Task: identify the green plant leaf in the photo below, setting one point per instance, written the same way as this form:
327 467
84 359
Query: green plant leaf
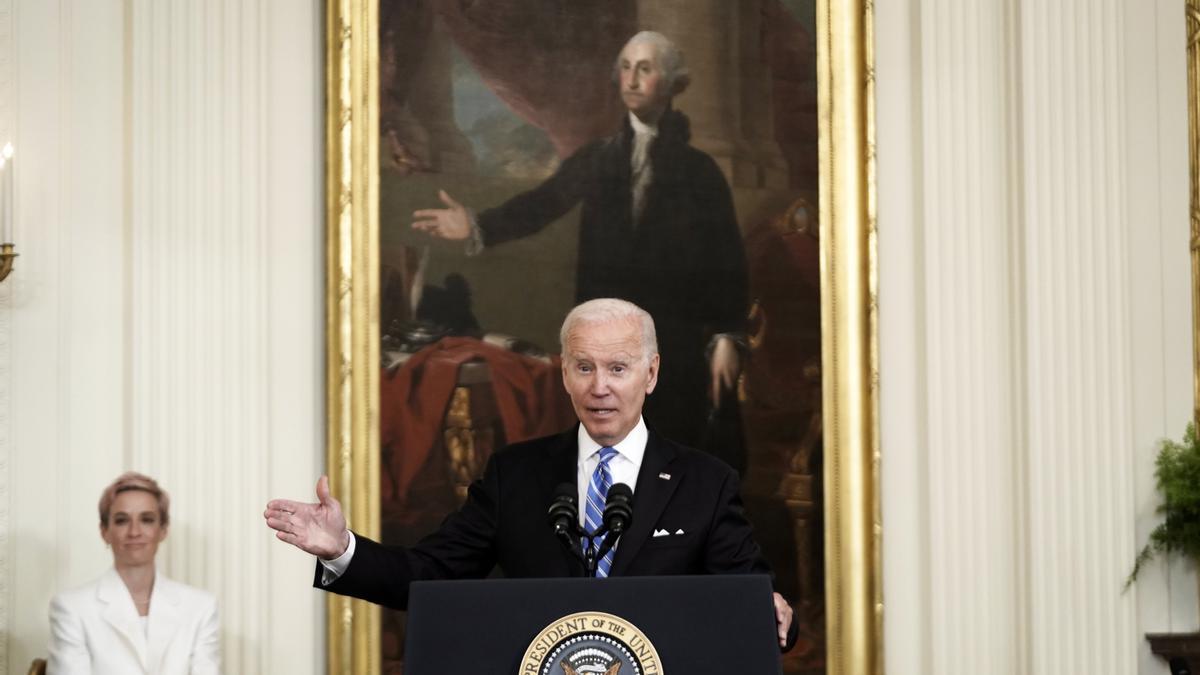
1177 476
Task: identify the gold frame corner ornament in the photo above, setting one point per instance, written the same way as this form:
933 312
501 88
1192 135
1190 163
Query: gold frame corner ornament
849 336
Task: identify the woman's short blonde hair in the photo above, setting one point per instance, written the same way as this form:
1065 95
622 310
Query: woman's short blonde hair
132 480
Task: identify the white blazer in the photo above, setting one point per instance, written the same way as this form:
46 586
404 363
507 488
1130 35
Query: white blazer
96 630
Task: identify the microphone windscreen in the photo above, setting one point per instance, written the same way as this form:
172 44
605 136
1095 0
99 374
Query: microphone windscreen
618 507
562 509
566 491
620 492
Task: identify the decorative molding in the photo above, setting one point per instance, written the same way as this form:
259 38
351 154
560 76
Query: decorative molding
352 305
849 359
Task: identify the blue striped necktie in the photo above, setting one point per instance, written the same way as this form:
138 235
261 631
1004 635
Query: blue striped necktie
597 495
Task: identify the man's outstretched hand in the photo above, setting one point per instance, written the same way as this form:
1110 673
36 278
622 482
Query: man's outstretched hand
726 365
319 529
452 222
783 619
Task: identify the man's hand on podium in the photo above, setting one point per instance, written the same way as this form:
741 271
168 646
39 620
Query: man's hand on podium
783 619
319 529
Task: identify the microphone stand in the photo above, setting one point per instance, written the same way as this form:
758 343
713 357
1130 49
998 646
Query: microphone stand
564 517
592 556
589 555
570 539
609 542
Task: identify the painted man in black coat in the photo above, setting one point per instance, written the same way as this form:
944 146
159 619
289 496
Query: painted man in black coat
687 513
657 228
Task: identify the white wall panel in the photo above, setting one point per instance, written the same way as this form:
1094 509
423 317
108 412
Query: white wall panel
1079 401
165 312
904 466
1035 329
223 248
199 385
165 315
67 331
1157 212
295 638
968 329
7 124
7 131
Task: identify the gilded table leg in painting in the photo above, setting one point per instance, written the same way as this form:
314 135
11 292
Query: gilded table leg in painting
468 431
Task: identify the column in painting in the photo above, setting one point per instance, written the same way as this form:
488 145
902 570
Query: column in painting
432 104
706 32
756 102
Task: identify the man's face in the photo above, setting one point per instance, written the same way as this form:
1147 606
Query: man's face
644 89
607 375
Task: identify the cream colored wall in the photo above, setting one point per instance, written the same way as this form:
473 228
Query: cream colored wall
1035 329
165 313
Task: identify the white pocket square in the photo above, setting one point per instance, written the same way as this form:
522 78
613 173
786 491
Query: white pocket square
661 533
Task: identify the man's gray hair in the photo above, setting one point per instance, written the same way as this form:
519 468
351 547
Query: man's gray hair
670 60
607 310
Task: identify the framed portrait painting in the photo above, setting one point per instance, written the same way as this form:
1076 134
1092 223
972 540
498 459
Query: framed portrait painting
491 164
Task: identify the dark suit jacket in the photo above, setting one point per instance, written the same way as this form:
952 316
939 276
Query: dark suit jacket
503 523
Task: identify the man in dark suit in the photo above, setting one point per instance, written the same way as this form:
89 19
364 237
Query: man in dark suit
657 227
687 517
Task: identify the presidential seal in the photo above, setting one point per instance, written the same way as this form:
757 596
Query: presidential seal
590 643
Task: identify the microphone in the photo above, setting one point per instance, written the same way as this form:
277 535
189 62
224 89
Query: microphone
563 514
618 510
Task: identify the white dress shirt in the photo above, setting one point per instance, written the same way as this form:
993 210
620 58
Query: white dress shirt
624 466
641 171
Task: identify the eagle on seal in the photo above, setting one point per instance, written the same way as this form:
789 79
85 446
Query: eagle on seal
568 670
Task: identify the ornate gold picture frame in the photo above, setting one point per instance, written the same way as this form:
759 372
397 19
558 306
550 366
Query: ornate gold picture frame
1192 19
848 321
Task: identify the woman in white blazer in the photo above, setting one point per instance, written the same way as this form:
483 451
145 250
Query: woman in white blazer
133 619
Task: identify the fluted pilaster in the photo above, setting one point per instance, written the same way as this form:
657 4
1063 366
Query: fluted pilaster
969 271
199 263
1078 388
1041 284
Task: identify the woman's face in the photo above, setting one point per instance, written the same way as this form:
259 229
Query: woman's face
134 528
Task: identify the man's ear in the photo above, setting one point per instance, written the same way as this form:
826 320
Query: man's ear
680 84
652 376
